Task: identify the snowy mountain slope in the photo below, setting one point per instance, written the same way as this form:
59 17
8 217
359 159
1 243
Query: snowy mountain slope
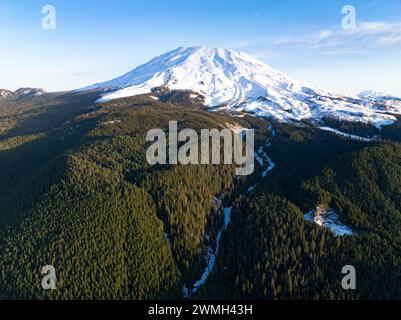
381 101
372 94
5 94
237 81
376 95
20 93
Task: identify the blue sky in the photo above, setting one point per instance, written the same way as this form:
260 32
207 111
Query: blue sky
96 40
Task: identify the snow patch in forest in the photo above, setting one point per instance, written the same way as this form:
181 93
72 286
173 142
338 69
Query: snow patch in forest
236 128
110 122
327 218
347 135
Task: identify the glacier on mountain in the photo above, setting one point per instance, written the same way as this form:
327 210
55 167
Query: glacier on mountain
238 82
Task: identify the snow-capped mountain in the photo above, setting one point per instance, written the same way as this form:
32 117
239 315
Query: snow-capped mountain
239 82
23 92
372 94
5 94
20 93
382 101
376 95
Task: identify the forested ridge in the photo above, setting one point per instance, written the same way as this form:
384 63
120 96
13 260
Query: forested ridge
113 226
77 193
272 252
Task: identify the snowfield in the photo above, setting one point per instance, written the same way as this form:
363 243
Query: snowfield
327 218
347 135
238 82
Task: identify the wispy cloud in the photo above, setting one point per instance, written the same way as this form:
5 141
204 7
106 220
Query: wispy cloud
365 36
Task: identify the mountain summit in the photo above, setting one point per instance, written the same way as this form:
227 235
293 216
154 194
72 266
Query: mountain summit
221 75
240 82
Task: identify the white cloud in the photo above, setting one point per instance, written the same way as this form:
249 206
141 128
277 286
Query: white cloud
325 34
366 35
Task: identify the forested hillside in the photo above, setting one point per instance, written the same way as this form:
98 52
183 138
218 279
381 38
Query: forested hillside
82 197
76 192
272 252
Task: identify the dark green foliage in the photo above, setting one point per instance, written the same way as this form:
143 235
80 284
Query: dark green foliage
76 192
357 128
271 252
82 197
392 132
